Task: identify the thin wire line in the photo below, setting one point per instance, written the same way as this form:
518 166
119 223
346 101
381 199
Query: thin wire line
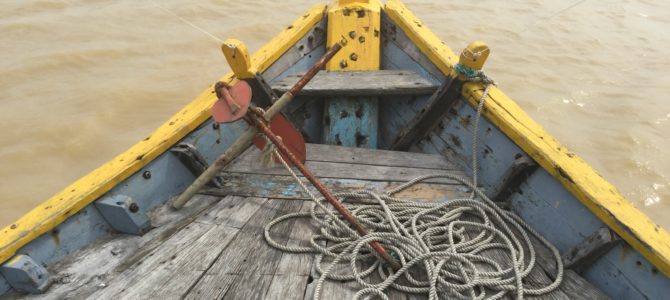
188 22
555 14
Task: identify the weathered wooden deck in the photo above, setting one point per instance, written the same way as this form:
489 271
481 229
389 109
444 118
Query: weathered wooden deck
214 247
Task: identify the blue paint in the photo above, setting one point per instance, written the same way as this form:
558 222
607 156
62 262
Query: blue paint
397 111
117 210
305 112
25 275
290 190
394 58
302 65
351 122
79 230
212 142
4 285
545 204
643 280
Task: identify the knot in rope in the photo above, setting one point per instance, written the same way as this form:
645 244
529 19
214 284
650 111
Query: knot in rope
473 75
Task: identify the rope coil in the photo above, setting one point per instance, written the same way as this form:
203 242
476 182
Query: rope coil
444 248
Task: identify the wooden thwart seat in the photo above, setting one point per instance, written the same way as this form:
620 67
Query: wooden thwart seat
360 83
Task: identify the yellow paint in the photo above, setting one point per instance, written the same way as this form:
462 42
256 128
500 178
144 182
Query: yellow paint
474 55
355 25
237 55
14 260
648 238
82 192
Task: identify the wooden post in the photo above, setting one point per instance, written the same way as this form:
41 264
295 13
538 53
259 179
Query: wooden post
237 55
353 121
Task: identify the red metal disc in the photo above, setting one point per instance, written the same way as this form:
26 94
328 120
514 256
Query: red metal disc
233 102
291 137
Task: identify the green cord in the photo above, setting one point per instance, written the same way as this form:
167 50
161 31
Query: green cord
466 71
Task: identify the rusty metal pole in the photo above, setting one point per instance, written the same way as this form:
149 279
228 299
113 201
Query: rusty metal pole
245 139
286 152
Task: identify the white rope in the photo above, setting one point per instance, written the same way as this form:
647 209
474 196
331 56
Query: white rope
444 248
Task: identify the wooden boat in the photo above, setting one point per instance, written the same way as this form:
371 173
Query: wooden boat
390 106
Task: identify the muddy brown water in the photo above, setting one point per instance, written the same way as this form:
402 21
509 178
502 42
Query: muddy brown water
82 81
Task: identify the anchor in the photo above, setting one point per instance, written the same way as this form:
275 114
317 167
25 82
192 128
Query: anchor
234 103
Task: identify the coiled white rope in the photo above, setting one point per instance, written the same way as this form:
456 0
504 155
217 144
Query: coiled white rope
442 247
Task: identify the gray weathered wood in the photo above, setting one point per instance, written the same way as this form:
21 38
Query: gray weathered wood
352 171
248 257
249 159
190 251
364 156
211 286
360 83
249 163
285 187
302 230
287 287
82 273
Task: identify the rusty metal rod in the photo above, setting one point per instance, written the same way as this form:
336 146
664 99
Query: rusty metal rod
245 139
286 152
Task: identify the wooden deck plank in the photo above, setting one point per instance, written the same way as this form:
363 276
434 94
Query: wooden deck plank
179 262
261 264
365 156
249 286
293 263
247 256
360 156
211 286
360 83
285 187
350 171
289 287
83 272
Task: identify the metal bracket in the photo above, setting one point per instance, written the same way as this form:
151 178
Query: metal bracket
194 161
522 167
580 257
123 214
25 275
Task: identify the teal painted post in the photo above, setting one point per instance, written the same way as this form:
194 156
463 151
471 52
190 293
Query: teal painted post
351 122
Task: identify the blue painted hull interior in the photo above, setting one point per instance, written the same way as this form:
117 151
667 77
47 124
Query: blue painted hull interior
540 200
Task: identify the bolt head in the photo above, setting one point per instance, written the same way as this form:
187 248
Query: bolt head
343 64
133 208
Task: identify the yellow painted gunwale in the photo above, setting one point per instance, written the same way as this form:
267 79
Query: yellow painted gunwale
85 190
601 197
